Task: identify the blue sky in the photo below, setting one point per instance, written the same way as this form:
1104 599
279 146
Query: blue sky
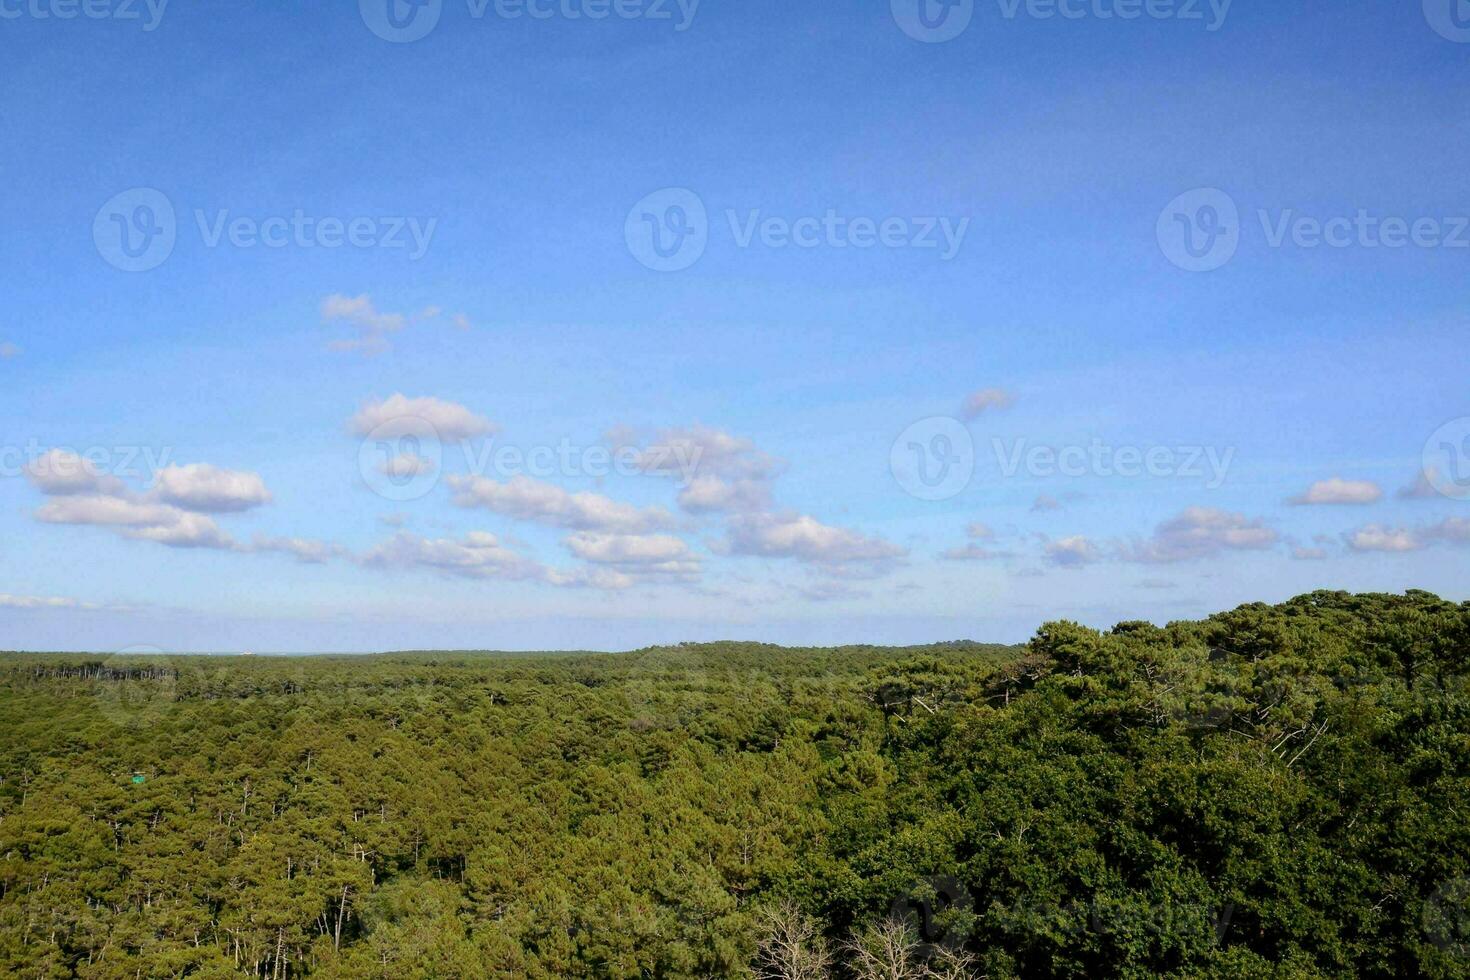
227 395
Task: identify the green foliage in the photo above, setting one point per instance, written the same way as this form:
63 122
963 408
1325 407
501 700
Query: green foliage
1277 791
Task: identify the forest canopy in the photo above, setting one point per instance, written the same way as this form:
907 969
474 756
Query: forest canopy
1275 791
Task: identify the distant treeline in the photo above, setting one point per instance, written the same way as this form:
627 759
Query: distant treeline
1276 791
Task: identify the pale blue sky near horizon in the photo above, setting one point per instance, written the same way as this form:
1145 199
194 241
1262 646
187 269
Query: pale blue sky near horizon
523 148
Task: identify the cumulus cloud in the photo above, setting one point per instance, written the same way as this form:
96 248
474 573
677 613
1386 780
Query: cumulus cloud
717 470
1339 491
399 415
480 556
543 503
637 556
979 402
1202 532
59 472
713 494
208 489
807 539
1072 552
1376 537
173 512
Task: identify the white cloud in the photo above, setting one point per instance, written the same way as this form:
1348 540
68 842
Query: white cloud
1376 537
1072 552
711 494
1201 532
305 550
404 466
806 539
699 452
59 472
1339 491
628 548
400 415
985 399
210 490
532 500
480 556
372 327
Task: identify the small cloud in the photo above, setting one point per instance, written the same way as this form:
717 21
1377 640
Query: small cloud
1339 491
973 552
1044 503
208 489
43 602
9 350
1303 553
807 539
1422 488
1376 537
1073 552
984 400
543 503
1202 532
978 531
401 415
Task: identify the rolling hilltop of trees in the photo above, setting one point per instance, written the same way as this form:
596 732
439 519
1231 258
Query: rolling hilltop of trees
1276 791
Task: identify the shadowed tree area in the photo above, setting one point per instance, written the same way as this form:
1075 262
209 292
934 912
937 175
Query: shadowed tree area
1276 791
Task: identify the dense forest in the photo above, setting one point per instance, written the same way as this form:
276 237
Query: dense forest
1276 791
